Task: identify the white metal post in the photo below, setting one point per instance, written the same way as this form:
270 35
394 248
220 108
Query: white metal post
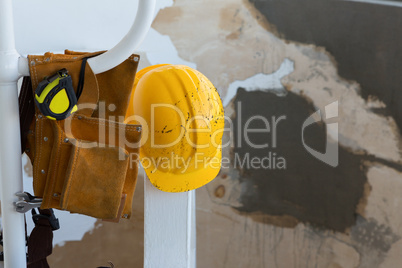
10 144
169 228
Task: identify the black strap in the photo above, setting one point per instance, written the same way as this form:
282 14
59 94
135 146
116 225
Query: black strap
27 109
82 77
111 266
40 242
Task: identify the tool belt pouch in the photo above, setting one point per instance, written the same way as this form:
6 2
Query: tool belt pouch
87 163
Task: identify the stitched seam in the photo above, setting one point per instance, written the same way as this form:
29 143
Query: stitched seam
53 179
122 128
115 125
66 59
39 143
35 75
38 150
104 121
67 193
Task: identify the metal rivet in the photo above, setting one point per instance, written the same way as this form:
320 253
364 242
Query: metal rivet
112 107
138 129
40 116
79 117
27 150
55 195
125 216
135 58
66 140
32 62
43 171
45 139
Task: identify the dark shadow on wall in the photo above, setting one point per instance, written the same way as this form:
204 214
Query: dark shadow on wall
365 40
306 189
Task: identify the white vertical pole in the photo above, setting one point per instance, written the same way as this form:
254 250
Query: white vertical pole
169 224
10 144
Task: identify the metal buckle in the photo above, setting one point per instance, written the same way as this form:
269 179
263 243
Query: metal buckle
29 202
54 222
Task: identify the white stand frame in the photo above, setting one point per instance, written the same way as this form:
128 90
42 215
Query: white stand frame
169 218
169 228
10 143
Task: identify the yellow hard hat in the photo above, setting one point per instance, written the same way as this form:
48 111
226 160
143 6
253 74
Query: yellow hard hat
183 119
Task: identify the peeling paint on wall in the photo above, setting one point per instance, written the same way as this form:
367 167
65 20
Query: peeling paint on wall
365 50
262 82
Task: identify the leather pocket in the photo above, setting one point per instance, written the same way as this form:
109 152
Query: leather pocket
94 180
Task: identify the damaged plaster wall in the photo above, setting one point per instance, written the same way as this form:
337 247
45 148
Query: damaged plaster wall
309 214
304 213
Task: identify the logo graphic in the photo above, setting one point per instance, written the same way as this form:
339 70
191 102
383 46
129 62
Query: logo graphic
331 155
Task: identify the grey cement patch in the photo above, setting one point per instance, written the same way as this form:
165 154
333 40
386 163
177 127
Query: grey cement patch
372 235
364 39
307 189
372 241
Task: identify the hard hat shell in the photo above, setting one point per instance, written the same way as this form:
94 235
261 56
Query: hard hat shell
183 120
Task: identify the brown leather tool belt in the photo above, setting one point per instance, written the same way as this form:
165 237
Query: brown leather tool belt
87 163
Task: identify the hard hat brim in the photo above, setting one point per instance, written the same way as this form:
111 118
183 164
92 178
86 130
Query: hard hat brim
184 181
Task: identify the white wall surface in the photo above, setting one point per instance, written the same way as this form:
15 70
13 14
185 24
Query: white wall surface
46 25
